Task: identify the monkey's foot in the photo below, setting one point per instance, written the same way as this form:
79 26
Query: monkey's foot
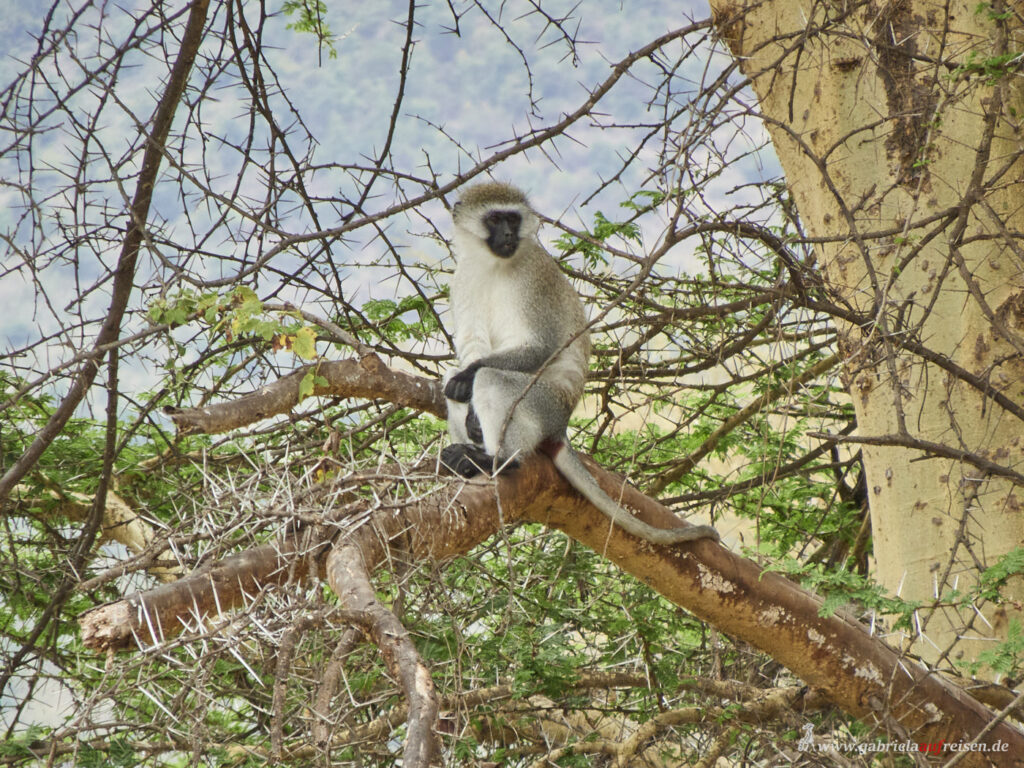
466 459
470 460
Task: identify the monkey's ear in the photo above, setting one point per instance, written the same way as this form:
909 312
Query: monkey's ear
455 208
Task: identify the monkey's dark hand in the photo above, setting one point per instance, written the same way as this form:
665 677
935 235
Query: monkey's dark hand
460 386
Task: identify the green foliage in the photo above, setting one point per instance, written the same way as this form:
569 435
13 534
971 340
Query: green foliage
545 632
574 761
237 314
303 343
77 463
118 752
391 319
309 382
993 579
1005 658
647 200
991 68
309 19
23 745
989 10
843 589
604 229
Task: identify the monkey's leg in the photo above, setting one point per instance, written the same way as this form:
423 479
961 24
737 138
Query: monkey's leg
458 415
473 429
536 412
466 455
469 459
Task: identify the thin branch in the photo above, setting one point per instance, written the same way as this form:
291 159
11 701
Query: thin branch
680 467
929 448
124 274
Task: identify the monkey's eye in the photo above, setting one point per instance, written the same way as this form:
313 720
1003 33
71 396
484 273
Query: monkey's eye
511 219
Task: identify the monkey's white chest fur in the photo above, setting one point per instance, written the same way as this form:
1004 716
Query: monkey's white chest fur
487 301
525 301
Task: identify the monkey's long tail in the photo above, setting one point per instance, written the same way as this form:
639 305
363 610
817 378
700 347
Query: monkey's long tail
572 469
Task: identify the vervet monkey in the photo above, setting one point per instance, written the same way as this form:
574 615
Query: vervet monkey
521 337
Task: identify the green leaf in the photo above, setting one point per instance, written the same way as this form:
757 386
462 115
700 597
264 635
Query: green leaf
307 385
304 343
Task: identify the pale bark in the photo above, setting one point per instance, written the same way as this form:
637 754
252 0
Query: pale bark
120 523
151 617
909 172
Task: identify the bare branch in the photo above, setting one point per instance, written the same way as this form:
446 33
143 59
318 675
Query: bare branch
124 274
348 577
367 377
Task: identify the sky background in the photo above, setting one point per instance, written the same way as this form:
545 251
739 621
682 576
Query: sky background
465 94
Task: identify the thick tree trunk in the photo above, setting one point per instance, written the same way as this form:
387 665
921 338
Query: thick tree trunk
905 160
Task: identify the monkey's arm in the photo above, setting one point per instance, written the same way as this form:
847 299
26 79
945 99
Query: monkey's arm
522 359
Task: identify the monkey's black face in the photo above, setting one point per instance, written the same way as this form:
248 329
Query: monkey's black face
503 232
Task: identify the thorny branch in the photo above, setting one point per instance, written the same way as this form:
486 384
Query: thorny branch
728 591
691 351
135 235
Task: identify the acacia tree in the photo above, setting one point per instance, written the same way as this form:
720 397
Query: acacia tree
899 128
224 253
